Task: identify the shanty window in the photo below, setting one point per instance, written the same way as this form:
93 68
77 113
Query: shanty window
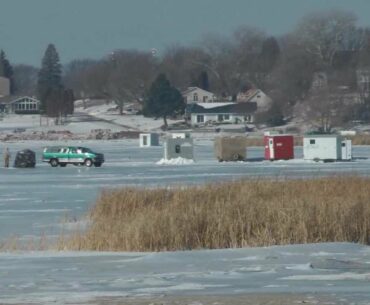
312 141
177 149
195 97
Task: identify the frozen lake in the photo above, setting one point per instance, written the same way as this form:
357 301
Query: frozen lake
339 270
41 201
36 202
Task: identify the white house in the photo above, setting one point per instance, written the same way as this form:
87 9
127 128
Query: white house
201 113
257 96
363 81
19 105
4 86
197 95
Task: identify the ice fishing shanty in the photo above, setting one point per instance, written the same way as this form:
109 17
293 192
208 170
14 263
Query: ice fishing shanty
230 148
149 139
326 148
178 148
278 147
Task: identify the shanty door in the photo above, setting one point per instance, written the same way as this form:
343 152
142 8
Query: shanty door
346 150
271 149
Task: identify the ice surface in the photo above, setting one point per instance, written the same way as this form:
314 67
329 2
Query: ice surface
62 277
43 201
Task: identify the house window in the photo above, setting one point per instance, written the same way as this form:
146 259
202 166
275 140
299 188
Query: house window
205 99
195 97
227 117
220 118
312 141
247 118
177 149
200 118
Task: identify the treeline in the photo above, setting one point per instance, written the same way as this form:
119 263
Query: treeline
329 43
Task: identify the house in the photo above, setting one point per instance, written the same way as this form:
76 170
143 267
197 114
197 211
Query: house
363 81
198 95
19 105
201 113
257 96
4 86
319 81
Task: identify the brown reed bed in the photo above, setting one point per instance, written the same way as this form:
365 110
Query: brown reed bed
228 215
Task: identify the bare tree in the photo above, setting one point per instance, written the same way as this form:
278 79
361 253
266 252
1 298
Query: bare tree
130 75
323 34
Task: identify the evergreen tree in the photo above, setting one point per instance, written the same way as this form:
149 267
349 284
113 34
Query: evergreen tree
203 81
269 55
163 100
49 84
6 70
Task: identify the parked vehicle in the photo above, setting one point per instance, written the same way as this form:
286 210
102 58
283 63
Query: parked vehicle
63 155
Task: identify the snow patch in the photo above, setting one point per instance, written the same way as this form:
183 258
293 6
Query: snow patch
175 161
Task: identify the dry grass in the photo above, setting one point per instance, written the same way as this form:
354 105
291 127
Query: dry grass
228 215
363 139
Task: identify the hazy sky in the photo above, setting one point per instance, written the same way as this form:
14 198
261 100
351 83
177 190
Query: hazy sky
92 28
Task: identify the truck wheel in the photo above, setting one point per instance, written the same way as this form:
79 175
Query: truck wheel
236 157
54 162
88 162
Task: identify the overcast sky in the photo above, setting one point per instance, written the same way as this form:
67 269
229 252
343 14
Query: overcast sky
92 28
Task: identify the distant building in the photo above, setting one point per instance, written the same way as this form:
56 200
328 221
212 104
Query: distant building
319 81
203 113
262 100
198 95
4 86
19 105
363 81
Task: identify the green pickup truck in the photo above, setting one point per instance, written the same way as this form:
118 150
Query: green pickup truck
76 155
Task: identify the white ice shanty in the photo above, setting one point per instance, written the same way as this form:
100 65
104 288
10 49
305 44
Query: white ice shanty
326 148
149 139
178 148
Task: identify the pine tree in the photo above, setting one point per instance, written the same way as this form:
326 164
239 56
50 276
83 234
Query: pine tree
6 70
49 84
163 100
203 81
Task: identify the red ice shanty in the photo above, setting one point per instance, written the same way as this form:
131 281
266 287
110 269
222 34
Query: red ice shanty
278 147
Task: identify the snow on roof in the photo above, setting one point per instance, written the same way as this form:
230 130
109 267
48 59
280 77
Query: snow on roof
214 105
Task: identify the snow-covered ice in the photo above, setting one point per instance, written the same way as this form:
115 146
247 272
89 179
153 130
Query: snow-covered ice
61 277
45 200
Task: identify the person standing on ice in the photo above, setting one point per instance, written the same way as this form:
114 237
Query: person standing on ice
6 155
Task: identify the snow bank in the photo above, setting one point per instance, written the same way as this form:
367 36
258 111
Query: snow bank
176 161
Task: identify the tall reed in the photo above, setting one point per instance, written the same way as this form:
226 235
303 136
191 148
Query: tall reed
228 215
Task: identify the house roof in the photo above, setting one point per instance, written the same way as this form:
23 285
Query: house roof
10 99
249 94
191 89
234 108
